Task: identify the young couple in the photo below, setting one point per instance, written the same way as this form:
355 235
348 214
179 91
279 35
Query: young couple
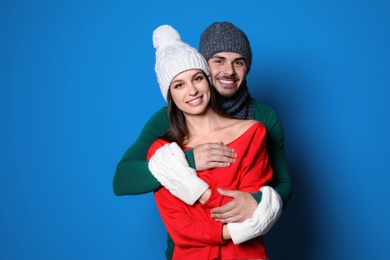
220 195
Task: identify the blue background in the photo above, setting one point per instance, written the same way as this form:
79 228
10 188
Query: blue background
77 85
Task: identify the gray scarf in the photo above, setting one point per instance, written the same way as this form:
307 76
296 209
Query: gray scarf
239 105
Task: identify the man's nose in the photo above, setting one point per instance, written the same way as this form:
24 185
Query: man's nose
229 69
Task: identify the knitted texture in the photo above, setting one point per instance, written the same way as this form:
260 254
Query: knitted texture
239 105
265 216
225 37
174 57
170 167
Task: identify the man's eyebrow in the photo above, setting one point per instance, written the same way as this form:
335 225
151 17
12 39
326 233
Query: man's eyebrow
224 58
218 57
239 58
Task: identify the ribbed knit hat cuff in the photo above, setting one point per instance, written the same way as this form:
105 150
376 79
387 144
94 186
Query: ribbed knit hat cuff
181 61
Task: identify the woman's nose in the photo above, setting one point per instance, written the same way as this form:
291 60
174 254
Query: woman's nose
193 90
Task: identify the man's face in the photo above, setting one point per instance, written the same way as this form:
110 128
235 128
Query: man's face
228 71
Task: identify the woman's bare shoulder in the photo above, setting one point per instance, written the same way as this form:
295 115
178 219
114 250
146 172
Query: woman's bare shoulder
245 124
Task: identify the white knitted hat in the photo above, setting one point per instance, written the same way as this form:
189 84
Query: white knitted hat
174 57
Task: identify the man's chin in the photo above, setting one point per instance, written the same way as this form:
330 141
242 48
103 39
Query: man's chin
227 94
226 91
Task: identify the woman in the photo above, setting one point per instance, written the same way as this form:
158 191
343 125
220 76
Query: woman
195 118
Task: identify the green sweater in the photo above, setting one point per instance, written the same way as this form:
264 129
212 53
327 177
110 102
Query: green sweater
133 177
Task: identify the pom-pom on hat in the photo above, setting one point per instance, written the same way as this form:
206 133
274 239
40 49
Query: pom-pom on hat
225 37
174 57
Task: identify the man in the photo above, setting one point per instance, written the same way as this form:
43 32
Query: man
229 55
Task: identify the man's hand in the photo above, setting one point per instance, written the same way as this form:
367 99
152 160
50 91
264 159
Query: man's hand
265 216
238 210
213 155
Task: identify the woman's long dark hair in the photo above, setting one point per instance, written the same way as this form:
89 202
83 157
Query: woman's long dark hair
178 131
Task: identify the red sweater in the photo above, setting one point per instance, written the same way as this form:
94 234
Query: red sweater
195 234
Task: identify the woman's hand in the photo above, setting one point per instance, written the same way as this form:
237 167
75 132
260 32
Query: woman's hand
170 167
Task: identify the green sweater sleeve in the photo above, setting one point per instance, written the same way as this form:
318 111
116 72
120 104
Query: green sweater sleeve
132 175
281 181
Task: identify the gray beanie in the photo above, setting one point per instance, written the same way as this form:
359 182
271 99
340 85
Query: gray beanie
225 37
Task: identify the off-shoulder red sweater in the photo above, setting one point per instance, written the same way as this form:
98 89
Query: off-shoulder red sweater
195 234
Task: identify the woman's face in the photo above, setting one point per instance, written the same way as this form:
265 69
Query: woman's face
190 91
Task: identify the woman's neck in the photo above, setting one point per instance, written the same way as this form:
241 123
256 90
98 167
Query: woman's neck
200 124
208 127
